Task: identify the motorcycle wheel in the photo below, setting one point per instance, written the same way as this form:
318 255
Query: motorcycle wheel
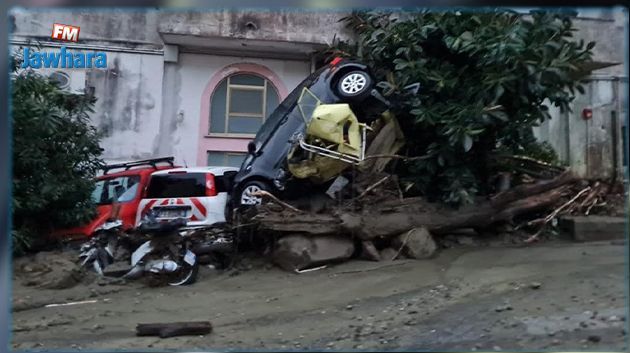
187 275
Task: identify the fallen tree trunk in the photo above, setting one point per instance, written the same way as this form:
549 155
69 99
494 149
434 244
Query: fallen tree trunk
386 220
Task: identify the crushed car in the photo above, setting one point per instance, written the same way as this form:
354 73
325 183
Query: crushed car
324 126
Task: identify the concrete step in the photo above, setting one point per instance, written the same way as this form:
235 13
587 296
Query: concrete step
594 228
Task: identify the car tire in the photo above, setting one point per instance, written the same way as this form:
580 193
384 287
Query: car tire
354 85
244 199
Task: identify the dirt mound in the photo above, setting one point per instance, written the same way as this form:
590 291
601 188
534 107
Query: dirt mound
50 270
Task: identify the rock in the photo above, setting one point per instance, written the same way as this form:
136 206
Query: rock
594 338
387 254
349 307
417 243
501 308
297 252
467 241
535 285
369 252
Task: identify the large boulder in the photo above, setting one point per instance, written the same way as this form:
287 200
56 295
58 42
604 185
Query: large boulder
417 243
388 254
298 252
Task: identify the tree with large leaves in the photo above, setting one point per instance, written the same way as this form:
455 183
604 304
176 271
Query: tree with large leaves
56 155
486 79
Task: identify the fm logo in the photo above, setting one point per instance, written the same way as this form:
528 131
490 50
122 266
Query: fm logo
65 33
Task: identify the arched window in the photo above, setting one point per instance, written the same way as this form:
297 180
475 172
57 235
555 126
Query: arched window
240 104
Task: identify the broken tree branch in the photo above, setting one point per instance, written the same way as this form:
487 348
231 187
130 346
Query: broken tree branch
525 190
554 214
396 156
402 245
373 186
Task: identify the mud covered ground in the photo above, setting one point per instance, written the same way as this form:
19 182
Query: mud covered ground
551 296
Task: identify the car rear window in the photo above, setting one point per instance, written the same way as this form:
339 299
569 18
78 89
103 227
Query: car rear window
177 185
121 189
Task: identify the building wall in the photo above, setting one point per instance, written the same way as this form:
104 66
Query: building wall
184 85
129 105
594 148
300 26
130 29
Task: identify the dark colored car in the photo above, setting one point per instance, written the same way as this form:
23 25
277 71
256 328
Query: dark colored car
264 168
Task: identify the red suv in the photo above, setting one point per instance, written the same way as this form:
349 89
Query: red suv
118 194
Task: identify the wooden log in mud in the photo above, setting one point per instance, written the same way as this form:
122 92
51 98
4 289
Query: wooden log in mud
165 330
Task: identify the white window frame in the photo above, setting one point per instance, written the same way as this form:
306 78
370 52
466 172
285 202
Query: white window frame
228 100
226 154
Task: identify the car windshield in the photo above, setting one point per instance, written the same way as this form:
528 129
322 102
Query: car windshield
307 104
272 122
130 194
117 188
177 185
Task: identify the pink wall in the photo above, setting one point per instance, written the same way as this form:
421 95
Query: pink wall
207 143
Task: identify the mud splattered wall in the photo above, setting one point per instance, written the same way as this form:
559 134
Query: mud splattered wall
129 91
126 28
129 104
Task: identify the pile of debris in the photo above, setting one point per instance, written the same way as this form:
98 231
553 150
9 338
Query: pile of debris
373 221
48 270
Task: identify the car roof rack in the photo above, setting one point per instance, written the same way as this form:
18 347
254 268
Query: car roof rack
151 162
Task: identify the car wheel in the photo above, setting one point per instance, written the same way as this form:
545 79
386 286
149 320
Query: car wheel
245 196
354 85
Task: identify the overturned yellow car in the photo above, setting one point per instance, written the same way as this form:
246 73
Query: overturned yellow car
335 139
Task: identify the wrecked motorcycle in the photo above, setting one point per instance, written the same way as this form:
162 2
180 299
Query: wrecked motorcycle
166 256
98 252
171 254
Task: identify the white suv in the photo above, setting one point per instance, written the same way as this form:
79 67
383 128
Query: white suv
198 194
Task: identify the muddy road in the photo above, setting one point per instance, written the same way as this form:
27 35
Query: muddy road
552 296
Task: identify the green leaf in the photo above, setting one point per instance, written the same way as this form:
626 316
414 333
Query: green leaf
499 115
440 161
498 92
467 142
